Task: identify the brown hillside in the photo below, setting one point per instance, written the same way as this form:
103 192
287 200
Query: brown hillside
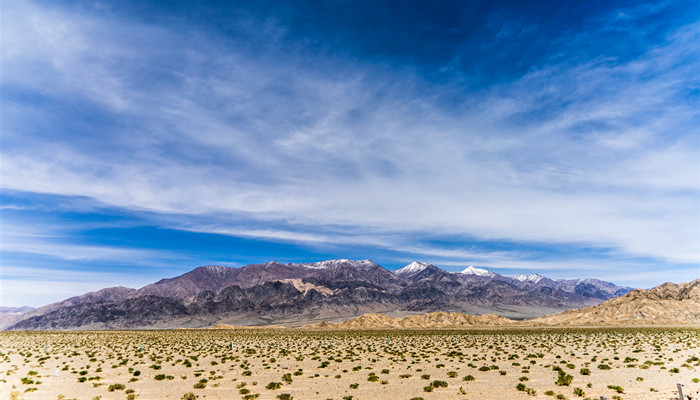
666 304
432 320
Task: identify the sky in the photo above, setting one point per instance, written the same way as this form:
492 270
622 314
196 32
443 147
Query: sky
141 140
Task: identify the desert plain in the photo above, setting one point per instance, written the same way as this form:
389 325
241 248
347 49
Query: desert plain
515 363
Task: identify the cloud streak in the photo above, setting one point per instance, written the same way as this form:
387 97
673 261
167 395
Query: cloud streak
593 151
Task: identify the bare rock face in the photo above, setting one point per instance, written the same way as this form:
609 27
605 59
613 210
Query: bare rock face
264 294
666 304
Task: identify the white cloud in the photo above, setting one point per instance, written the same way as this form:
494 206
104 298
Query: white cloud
612 163
56 243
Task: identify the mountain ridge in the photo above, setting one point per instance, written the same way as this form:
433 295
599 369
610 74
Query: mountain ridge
331 289
666 303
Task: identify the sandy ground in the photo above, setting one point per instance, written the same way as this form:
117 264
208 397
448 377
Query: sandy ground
240 364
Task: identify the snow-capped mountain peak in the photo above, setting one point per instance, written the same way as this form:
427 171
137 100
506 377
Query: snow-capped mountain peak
471 270
534 278
412 268
331 263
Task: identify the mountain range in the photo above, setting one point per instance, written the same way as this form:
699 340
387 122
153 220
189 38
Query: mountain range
667 304
298 294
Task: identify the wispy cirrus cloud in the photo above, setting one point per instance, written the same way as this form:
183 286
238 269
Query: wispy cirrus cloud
585 147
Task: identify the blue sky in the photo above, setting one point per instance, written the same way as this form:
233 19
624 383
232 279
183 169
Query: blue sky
142 140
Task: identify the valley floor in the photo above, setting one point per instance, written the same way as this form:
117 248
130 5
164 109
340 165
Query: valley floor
632 363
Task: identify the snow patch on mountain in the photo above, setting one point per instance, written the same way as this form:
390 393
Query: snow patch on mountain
534 278
332 263
471 270
412 268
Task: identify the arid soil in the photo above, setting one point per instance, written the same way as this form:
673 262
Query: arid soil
513 363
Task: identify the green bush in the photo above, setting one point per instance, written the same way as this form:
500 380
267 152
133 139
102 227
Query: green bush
564 379
616 388
116 386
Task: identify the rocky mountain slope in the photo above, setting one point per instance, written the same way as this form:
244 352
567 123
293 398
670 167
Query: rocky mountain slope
11 315
666 304
297 294
669 304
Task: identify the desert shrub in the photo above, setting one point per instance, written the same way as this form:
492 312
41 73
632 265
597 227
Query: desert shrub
616 388
564 379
